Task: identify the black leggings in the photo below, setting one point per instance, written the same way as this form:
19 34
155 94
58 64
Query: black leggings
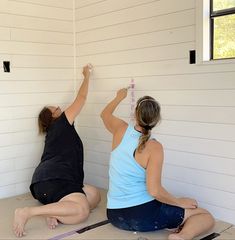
51 191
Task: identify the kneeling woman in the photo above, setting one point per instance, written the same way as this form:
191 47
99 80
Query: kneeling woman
58 180
136 199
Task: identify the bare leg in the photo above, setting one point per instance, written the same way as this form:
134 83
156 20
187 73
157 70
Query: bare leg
93 198
93 195
196 222
72 209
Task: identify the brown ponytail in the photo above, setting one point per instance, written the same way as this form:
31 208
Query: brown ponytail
44 120
147 116
143 139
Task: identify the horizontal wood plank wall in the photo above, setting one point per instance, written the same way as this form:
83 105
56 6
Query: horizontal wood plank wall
150 42
37 37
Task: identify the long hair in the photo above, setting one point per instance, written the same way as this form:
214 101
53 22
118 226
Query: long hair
45 119
147 116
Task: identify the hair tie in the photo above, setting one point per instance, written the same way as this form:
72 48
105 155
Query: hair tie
145 100
148 127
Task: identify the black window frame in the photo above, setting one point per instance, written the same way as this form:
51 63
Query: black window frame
213 15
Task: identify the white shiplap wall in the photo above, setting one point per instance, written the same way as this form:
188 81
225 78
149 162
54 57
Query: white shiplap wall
37 37
149 40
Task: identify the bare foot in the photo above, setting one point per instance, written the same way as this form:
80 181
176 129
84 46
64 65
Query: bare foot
20 219
52 222
177 236
173 230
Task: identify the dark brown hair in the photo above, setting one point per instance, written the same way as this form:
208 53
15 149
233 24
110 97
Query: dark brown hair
147 116
45 119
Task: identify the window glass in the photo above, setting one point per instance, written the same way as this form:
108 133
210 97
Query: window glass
223 4
224 37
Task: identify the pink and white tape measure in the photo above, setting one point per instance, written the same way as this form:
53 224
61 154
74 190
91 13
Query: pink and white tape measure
132 99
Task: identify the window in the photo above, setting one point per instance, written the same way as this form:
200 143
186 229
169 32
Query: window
222 29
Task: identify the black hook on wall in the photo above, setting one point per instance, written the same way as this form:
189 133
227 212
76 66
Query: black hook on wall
6 66
192 57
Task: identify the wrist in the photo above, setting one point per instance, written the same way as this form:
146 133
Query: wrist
118 99
177 202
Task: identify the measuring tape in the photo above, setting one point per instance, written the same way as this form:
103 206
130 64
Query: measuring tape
132 100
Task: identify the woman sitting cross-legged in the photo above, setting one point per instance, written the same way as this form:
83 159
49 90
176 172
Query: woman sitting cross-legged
137 201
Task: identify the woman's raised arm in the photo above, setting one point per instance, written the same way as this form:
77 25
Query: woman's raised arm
75 108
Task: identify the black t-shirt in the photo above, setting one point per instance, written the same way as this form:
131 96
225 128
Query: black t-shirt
62 157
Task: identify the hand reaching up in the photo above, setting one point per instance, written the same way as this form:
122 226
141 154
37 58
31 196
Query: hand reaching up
86 71
122 93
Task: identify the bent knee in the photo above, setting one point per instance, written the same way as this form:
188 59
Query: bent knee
97 195
191 212
93 195
81 213
94 199
84 212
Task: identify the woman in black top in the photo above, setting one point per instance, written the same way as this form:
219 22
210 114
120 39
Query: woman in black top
58 180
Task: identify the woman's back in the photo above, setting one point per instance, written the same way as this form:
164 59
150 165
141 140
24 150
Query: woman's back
127 185
62 157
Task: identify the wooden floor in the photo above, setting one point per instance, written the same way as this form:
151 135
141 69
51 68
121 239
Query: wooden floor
36 228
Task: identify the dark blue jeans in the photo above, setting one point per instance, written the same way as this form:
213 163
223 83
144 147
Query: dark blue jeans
150 216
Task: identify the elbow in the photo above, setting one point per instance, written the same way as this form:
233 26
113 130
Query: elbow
83 97
103 114
154 193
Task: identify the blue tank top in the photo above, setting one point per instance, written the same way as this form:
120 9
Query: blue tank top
127 178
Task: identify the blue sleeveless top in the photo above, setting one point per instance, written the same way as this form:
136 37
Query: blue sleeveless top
127 178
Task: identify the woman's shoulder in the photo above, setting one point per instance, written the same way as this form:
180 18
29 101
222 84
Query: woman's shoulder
59 123
153 144
123 127
122 130
62 119
155 150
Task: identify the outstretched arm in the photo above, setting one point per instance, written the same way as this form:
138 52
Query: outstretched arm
153 179
111 122
75 108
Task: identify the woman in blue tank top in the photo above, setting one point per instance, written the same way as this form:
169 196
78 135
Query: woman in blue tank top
136 199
